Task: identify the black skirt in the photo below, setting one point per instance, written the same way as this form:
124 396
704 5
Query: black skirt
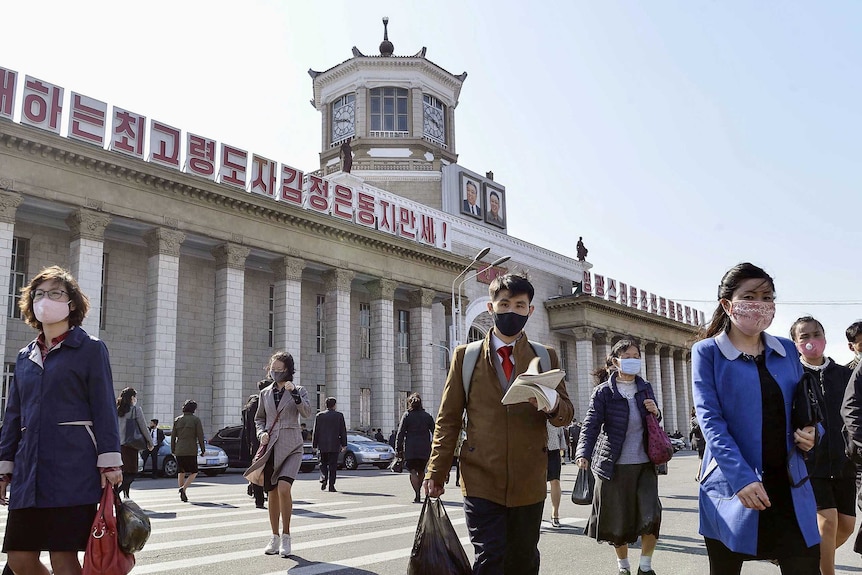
49 528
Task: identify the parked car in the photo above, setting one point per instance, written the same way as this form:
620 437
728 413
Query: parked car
213 462
362 450
677 444
228 438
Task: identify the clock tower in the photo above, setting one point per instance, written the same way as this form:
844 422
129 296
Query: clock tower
397 116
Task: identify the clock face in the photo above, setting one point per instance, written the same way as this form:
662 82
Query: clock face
433 125
342 122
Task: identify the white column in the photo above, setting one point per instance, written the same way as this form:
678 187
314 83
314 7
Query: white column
85 257
681 389
383 401
228 334
160 342
653 370
668 380
338 348
584 379
288 311
422 354
9 202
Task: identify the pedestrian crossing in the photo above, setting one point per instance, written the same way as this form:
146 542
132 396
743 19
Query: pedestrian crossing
366 527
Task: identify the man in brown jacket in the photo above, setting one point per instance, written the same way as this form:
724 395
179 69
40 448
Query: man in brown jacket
504 457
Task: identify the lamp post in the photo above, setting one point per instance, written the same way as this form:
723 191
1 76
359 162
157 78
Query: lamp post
498 261
444 348
454 336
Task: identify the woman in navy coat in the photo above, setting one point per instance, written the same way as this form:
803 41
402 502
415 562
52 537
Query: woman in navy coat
60 442
755 500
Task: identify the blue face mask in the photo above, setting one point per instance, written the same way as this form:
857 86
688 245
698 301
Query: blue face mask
630 366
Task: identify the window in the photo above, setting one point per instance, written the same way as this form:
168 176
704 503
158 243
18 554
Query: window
364 407
403 336
8 374
402 401
18 277
564 357
474 334
433 119
271 320
321 324
343 118
365 331
444 354
321 397
103 302
388 112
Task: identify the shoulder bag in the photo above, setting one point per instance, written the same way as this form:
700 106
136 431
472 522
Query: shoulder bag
133 525
807 402
134 437
659 448
103 555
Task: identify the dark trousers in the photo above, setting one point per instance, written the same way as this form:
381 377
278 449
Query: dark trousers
723 561
153 455
328 467
505 539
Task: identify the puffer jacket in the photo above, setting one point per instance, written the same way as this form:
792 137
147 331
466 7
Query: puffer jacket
828 459
607 421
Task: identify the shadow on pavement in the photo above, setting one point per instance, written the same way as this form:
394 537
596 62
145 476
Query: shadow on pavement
315 567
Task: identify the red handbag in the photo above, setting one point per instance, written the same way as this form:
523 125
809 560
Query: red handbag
659 448
103 555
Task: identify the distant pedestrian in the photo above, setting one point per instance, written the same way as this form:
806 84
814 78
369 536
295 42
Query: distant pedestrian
392 439
277 424
695 436
379 436
556 444
330 437
127 410
413 442
854 342
249 442
186 436
157 436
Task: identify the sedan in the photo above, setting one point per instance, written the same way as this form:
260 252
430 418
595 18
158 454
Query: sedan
362 450
677 444
230 439
213 462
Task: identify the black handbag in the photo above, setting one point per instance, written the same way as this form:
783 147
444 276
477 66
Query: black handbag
133 525
582 492
807 407
135 439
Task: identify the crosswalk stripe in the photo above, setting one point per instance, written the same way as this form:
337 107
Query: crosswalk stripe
221 512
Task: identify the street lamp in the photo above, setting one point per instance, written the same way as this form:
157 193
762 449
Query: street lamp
454 336
444 348
497 262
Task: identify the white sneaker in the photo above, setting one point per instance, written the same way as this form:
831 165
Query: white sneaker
272 548
285 545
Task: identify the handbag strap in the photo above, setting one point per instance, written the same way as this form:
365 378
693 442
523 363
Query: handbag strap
275 421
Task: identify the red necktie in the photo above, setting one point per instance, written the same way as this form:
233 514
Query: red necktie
505 355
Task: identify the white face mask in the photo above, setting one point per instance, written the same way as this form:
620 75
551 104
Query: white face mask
630 365
48 311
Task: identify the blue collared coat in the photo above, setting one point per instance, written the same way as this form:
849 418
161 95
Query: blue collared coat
726 389
60 424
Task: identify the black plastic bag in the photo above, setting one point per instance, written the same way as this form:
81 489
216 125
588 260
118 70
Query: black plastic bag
397 465
582 492
133 525
436 548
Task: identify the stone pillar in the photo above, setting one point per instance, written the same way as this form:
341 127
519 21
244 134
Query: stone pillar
652 364
583 380
338 349
668 380
360 112
681 388
418 108
288 311
228 334
160 342
9 202
85 259
602 346
422 354
384 409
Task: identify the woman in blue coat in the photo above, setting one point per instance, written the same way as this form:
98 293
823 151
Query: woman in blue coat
755 500
60 442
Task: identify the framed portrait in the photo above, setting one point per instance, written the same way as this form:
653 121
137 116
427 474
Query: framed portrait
471 198
495 205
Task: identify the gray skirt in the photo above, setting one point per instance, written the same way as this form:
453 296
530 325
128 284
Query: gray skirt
625 507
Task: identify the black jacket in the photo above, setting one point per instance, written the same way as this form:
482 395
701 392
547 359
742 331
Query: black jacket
828 458
248 437
414 434
330 431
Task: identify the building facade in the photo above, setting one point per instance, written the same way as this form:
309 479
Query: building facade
200 259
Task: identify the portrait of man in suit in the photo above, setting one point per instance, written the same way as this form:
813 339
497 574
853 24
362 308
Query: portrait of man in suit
470 198
495 212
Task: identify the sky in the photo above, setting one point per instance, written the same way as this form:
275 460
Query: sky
679 138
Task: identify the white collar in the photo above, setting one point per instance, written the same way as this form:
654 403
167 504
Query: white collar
729 351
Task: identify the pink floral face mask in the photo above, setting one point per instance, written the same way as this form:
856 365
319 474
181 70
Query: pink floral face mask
751 317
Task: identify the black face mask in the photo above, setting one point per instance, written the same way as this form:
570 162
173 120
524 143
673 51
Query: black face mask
510 323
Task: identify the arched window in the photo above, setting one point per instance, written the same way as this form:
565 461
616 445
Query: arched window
343 118
388 112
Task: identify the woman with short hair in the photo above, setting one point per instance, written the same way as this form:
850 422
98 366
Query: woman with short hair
187 436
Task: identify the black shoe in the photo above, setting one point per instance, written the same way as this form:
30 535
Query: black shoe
332 489
323 486
250 491
650 572
183 497
260 506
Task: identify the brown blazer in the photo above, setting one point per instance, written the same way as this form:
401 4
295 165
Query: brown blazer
504 457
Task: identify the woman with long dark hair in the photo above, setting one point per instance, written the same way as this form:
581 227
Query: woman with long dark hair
128 411
60 443
755 500
413 441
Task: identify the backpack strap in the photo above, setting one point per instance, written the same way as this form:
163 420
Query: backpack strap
471 357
